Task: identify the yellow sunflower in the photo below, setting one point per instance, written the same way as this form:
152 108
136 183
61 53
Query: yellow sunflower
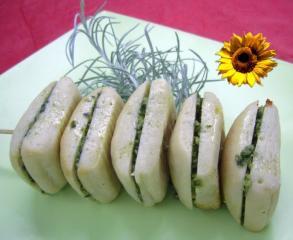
246 59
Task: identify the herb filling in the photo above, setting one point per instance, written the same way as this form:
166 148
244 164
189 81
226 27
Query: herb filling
73 124
195 182
31 124
139 126
81 144
246 159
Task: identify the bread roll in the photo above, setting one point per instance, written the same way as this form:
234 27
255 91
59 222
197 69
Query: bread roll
85 145
254 208
143 171
34 149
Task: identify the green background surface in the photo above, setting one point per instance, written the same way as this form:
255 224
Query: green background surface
27 214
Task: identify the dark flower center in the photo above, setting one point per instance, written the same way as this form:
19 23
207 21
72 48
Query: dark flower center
244 60
243 57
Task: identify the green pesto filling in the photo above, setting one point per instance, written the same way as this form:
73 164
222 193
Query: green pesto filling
195 182
78 152
73 124
246 159
31 124
139 126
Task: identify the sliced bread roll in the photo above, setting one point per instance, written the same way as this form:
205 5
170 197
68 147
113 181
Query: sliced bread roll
250 169
85 145
34 150
139 143
194 152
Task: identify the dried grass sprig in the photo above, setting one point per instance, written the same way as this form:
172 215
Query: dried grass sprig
124 62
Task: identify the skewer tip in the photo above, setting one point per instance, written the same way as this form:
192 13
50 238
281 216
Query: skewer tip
6 131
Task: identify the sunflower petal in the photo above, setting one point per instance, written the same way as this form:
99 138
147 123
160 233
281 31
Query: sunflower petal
233 80
267 62
229 73
260 46
224 53
266 45
235 43
224 60
238 37
227 46
258 37
257 78
224 67
260 71
256 41
241 79
264 68
247 38
238 78
267 54
250 79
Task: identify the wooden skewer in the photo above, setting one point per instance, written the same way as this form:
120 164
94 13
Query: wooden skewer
6 131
